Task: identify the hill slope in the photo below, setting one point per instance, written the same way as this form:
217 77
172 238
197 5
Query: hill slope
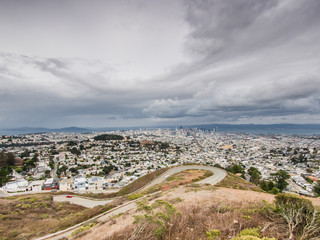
189 212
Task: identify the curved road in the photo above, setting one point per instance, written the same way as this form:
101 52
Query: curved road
89 203
218 175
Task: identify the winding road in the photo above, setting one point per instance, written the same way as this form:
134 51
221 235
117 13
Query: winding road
218 175
89 203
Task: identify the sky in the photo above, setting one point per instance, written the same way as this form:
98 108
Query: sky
111 63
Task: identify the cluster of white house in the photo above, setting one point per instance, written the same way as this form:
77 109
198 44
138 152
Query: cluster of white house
79 183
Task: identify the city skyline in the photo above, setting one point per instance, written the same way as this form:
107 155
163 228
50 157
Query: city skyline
158 63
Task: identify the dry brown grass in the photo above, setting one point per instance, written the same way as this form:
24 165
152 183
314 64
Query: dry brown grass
235 182
24 217
193 221
183 178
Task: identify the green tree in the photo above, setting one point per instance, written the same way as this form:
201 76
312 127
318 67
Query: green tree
235 169
255 175
280 178
316 188
300 215
5 174
10 159
47 173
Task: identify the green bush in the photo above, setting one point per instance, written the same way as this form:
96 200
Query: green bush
299 214
250 234
157 221
213 234
134 196
82 229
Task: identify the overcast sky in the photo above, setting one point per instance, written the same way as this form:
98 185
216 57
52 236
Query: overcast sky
104 63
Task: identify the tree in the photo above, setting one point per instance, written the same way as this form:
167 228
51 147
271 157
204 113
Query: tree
217 165
10 159
255 175
301 217
47 173
6 159
62 169
235 169
5 174
316 188
280 178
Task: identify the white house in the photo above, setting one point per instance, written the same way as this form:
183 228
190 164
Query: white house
36 186
80 183
19 185
66 184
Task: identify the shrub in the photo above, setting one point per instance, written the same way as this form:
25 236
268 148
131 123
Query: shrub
134 196
82 229
274 190
250 234
301 217
213 234
44 216
158 221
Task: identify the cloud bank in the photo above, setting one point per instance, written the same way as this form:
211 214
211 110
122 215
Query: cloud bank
145 63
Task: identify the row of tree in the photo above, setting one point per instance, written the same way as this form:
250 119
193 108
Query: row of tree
7 162
277 182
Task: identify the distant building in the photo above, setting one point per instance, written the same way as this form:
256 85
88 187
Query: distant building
36 186
20 185
80 183
66 184
95 183
50 184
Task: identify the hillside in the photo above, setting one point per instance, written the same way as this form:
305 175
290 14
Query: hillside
190 212
179 208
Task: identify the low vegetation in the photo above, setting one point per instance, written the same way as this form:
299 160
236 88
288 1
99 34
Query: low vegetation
184 177
214 220
108 137
25 217
140 182
235 182
82 229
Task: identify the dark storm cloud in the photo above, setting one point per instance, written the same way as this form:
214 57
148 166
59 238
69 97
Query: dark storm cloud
123 63
255 58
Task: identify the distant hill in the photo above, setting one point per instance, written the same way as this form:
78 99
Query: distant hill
290 129
27 130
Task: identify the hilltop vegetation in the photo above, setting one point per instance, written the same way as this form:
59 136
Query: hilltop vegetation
108 137
25 217
8 161
207 215
235 182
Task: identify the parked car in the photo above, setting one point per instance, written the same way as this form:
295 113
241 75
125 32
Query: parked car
69 196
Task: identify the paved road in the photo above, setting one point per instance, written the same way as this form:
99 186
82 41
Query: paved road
81 201
102 217
218 175
54 175
3 194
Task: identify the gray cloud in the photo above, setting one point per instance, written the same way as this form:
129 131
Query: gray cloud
243 61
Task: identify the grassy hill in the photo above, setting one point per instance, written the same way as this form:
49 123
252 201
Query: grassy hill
234 209
235 182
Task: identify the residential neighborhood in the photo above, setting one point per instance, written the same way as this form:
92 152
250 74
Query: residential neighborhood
101 161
